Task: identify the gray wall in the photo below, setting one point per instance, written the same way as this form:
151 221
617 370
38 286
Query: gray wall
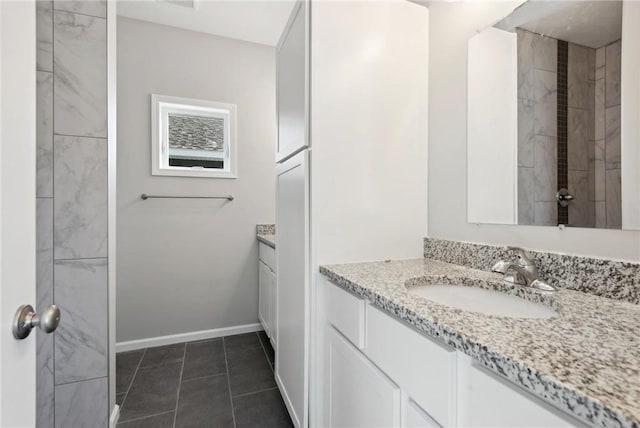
190 265
451 25
72 386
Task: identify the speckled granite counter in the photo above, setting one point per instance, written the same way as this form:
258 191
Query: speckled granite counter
586 361
270 240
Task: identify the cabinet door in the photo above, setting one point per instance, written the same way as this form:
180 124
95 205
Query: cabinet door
271 317
292 83
264 297
359 395
292 302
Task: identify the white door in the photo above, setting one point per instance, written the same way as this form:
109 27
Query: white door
17 208
292 301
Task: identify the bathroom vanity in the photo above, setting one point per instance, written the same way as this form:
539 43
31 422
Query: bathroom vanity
267 280
394 358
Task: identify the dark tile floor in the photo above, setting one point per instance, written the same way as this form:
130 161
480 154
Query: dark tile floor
224 382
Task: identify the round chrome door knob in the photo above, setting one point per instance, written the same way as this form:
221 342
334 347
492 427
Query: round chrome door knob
26 319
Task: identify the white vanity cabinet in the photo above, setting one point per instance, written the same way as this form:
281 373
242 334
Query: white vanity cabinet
380 371
359 395
267 290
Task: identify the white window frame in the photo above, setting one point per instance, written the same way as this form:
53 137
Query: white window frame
161 107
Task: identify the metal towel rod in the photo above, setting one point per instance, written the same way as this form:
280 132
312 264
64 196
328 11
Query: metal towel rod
144 197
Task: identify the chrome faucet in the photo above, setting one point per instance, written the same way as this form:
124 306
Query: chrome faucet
521 271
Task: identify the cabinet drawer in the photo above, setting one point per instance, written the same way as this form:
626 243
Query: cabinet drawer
424 368
267 255
488 400
346 313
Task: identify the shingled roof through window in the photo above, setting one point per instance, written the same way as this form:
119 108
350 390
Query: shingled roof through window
196 132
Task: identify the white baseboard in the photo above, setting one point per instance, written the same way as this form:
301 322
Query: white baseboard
115 415
186 337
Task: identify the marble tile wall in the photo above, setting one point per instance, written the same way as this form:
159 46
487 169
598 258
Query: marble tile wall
580 61
605 162
537 128
72 363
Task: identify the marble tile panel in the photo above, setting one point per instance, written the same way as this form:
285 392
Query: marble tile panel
44 251
525 195
546 103
599 110
578 76
612 138
545 53
44 297
591 108
83 404
44 134
601 214
600 56
579 207
599 177
546 175
80 68
80 202
613 199
525 64
526 136
578 139
592 63
44 35
591 208
96 8
612 74
546 213
81 339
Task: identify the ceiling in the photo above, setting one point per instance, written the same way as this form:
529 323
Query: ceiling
587 23
249 20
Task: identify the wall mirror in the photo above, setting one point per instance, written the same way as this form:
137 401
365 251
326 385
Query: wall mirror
193 138
548 143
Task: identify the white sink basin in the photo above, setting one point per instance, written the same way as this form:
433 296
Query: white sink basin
488 302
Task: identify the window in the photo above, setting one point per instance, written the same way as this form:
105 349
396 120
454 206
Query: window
193 138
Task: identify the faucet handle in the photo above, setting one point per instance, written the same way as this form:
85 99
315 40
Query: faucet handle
524 258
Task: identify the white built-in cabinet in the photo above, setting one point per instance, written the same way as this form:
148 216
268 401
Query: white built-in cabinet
292 290
381 372
267 290
352 136
292 84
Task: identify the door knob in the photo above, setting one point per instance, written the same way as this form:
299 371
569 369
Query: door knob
26 319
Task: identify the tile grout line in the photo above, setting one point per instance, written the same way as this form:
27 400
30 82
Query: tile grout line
202 377
145 417
133 378
184 357
226 363
265 352
256 392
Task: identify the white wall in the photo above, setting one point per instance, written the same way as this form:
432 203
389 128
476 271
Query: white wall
451 25
369 130
190 265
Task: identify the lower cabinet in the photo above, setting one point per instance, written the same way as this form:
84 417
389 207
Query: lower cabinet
267 291
395 376
264 296
360 395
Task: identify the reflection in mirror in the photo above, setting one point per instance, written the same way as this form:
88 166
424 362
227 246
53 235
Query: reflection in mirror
545 115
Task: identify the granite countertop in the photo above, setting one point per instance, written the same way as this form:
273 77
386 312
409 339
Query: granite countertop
268 239
586 361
